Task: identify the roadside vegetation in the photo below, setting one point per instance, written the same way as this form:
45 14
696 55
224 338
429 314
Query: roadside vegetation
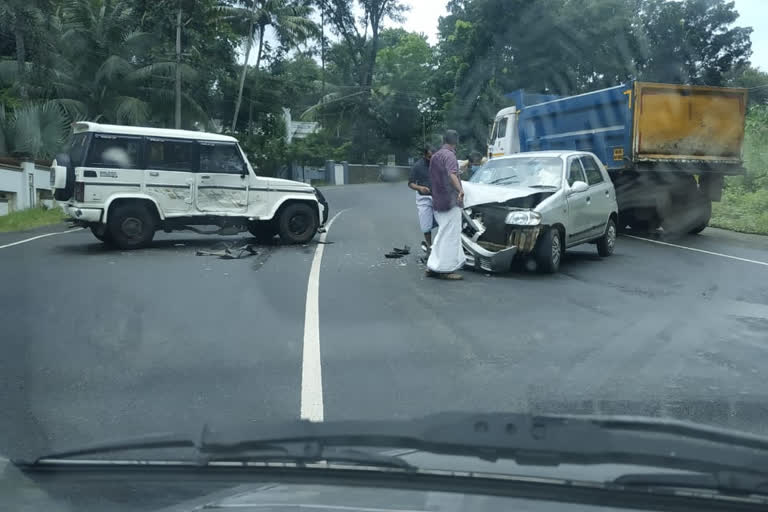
31 218
744 206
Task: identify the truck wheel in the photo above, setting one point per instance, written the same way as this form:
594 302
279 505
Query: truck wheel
262 231
298 223
131 226
607 242
102 234
548 251
705 213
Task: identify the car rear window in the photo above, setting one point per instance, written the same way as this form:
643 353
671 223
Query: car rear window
114 152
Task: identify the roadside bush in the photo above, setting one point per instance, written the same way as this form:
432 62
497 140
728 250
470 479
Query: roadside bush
742 210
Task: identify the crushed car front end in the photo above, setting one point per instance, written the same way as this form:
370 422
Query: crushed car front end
497 230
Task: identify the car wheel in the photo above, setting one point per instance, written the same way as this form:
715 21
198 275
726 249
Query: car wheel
262 231
131 226
298 223
549 251
607 242
102 234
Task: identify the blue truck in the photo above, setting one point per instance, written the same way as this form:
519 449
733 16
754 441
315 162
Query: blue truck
666 147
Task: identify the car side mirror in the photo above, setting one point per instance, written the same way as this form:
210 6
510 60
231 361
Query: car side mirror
578 186
244 172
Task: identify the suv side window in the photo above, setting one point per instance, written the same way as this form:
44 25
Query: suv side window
220 158
592 169
114 151
575 173
171 155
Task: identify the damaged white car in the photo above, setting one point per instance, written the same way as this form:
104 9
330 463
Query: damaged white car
534 206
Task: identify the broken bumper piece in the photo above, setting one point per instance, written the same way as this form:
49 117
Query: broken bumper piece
481 258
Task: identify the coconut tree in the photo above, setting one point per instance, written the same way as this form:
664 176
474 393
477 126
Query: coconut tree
288 18
33 130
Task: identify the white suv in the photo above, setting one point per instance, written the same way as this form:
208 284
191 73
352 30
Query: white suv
126 182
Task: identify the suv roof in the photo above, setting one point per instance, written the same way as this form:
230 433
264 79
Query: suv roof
115 129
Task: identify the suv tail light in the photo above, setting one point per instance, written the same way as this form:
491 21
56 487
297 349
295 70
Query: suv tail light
79 191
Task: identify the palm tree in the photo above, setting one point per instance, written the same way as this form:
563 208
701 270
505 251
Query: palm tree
289 19
33 130
99 76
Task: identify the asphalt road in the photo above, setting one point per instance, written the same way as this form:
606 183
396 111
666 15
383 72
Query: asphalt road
99 344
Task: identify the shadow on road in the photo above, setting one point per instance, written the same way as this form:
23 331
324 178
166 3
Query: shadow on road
176 244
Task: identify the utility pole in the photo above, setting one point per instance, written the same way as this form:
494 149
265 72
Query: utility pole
322 62
178 68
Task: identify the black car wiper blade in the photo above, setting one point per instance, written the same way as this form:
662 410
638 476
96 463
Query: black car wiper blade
723 481
502 180
148 442
295 452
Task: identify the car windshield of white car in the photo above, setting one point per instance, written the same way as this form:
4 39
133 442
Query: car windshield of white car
523 171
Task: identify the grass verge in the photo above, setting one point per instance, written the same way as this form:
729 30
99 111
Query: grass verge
739 210
31 218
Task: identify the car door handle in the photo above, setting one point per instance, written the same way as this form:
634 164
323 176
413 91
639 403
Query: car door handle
205 177
589 199
153 173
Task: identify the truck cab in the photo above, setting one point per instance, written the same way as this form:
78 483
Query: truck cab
504 139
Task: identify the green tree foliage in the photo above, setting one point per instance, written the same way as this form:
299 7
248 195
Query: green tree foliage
489 47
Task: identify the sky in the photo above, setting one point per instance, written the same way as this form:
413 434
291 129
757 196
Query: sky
424 14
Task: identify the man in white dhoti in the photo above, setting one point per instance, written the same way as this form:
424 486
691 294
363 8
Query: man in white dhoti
447 200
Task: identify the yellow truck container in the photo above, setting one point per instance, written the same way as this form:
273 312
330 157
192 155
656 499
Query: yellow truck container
688 123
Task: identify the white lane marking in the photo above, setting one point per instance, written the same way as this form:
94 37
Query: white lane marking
39 236
699 250
311 369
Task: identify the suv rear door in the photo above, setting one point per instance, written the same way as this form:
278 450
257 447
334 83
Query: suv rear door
222 178
169 174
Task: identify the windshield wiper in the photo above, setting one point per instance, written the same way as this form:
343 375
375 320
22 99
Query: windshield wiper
529 440
503 180
305 451
542 186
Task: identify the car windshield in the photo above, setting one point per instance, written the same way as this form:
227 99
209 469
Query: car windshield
521 171
216 215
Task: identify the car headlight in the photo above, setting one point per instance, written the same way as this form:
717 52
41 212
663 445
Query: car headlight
523 218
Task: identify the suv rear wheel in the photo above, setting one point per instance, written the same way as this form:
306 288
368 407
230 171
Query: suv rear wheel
131 226
298 223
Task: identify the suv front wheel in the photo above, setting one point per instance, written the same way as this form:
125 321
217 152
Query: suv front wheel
298 223
131 226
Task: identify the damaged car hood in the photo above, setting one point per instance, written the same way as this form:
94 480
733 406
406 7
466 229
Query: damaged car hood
482 193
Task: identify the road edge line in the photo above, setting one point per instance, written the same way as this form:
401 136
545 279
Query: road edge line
756 262
311 405
40 236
